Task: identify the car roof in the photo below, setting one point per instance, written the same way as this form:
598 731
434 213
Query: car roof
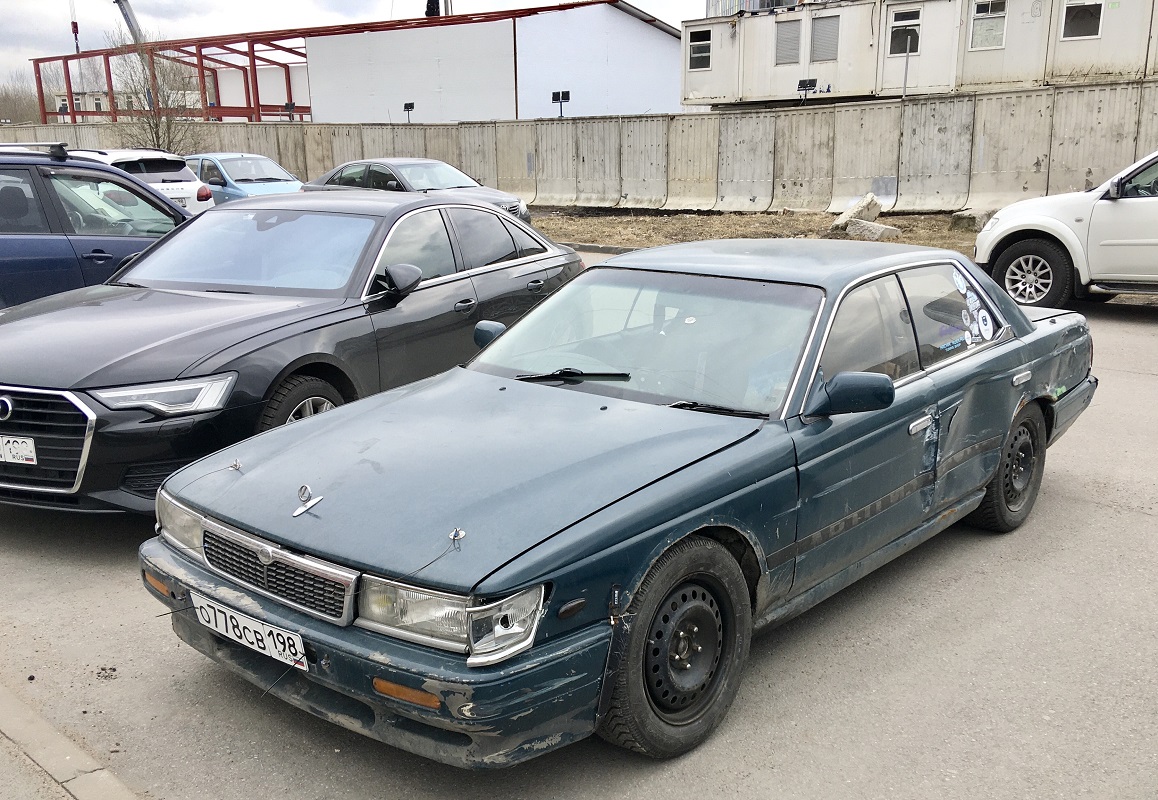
351 201
226 155
829 264
397 161
127 154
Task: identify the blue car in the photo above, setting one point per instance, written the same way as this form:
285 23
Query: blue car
578 531
67 221
231 176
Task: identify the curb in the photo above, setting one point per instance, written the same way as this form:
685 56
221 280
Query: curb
599 248
74 770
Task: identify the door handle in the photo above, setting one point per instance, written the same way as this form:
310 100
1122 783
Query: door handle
920 425
535 286
97 255
464 306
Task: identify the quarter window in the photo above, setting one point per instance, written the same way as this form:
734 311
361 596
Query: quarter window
700 49
421 239
825 38
988 29
20 210
905 32
788 42
872 333
483 237
1083 20
527 244
950 316
350 176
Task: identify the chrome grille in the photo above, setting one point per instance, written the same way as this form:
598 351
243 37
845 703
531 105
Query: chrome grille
291 583
60 427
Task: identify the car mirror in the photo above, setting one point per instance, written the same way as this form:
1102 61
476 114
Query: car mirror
393 186
402 278
129 259
487 331
850 392
215 181
1115 188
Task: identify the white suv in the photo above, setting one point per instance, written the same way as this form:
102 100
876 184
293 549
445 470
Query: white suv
164 171
1091 245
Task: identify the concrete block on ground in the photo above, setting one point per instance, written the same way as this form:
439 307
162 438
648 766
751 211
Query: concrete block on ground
871 231
971 219
867 208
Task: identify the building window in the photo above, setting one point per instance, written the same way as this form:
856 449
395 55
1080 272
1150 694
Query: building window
988 29
825 38
788 42
97 104
700 49
905 32
1083 20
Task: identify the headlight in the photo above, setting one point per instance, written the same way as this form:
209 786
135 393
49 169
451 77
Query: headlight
990 225
172 397
180 526
489 633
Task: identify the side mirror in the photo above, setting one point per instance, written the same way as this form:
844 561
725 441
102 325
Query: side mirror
850 392
1115 188
218 182
403 278
393 186
487 331
129 259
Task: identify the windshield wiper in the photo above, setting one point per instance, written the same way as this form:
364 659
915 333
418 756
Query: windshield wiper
227 291
126 284
692 405
572 375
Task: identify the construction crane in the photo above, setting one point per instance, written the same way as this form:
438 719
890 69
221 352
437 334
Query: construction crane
131 21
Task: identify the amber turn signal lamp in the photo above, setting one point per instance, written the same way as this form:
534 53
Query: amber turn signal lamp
405 693
156 584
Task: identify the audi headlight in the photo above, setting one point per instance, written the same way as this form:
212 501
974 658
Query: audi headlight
488 633
180 526
171 397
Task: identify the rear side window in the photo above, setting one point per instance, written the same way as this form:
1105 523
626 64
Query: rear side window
158 170
20 208
948 313
421 239
483 237
527 244
871 333
350 176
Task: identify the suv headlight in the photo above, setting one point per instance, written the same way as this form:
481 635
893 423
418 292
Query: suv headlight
181 527
171 397
488 633
990 225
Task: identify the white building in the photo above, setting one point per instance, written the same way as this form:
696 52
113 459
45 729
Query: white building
759 51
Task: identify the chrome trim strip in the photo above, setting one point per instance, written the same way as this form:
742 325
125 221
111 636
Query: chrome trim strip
90 428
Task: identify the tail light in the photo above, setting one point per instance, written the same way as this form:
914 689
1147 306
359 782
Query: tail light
204 194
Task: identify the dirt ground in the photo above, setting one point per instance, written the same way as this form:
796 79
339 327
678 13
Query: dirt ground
643 228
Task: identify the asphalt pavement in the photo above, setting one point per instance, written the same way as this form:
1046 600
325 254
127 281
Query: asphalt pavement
1015 666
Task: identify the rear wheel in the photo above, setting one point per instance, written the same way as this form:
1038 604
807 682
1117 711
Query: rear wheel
1011 493
688 631
1036 272
298 397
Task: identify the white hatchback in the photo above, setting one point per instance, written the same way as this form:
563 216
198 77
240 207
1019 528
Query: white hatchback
164 171
1091 245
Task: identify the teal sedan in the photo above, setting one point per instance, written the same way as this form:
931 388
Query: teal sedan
578 531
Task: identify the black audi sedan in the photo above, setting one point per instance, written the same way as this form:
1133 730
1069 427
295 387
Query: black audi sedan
251 316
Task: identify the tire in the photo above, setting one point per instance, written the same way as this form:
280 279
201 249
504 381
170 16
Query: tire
298 397
1011 493
668 698
1036 272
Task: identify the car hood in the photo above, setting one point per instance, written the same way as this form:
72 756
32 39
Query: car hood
474 194
114 336
272 187
508 463
1051 205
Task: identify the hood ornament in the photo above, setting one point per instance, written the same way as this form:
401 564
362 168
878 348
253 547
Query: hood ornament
306 496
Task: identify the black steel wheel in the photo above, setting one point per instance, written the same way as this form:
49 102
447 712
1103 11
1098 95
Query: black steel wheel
687 634
298 397
1011 492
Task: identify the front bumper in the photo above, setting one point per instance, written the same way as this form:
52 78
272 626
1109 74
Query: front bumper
488 717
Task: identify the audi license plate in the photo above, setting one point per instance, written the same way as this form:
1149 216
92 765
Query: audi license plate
277 643
18 450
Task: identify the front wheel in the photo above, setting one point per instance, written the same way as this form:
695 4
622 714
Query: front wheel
298 397
1011 493
1036 272
688 630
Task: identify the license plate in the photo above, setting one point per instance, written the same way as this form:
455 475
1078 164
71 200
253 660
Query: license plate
179 201
277 643
18 450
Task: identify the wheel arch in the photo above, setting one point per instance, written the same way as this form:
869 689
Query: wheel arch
316 366
1050 231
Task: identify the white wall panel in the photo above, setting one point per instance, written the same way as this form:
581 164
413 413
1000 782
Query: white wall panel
597 152
693 161
1094 135
747 159
442 142
936 150
557 179
804 159
478 152
516 146
643 161
866 151
409 141
1011 135
291 148
233 137
345 143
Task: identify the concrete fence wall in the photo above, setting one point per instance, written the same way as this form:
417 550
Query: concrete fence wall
920 154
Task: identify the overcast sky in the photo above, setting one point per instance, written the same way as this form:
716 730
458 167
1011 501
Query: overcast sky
38 28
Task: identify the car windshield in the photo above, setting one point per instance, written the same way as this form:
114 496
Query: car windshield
251 169
433 175
158 170
689 339
304 253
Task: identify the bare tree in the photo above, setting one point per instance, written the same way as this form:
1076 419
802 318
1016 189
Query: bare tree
18 98
158 97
